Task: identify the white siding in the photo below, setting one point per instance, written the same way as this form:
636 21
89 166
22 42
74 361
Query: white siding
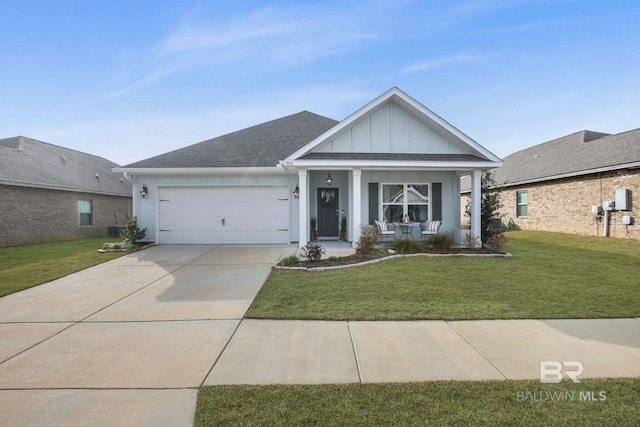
147 209
389 129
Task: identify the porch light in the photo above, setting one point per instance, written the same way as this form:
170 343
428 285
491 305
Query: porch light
329 179
296 192
144 191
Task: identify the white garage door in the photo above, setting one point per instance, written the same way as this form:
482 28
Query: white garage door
204 215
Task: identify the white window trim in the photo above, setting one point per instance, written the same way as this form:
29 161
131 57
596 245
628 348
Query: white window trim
405 209
80 225
518 204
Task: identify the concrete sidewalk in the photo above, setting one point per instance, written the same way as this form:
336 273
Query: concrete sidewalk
129 342
316 352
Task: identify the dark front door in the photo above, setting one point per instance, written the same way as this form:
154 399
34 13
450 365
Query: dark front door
328 212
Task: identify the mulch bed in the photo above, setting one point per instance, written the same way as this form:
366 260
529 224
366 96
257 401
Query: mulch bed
358 258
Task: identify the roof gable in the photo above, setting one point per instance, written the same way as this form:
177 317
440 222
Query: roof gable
263 145
31 163
394 123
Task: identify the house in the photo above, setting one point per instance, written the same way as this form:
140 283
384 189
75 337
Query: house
50 193
562 185
264 184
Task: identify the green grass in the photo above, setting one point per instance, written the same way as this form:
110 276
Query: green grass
22 267
434 403
551 275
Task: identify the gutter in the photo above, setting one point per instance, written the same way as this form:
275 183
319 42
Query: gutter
198 171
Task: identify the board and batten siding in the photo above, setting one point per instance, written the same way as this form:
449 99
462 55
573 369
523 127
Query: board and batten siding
389 129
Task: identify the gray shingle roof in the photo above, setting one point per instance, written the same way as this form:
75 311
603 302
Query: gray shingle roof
31 163
579 153
420 157
262 145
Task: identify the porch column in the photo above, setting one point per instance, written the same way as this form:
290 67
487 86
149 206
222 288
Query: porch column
356 217
302 210
476 204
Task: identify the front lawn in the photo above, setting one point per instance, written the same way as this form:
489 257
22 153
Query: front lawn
551 275
22 267
513 403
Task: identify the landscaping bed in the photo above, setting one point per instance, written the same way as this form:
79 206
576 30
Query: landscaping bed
374 256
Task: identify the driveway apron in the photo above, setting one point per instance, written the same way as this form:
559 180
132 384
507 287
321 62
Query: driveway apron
127 342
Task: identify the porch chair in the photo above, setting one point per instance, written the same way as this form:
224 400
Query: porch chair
386 230
429 228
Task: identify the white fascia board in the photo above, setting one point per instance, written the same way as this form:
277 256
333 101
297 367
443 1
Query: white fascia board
343 124
201 171
387 164
447 126
391 93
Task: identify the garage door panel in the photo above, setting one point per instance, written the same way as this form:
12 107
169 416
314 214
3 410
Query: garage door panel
223 214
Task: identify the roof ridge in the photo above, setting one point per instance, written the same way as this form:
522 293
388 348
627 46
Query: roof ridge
614 135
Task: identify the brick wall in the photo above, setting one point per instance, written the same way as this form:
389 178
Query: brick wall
564 205
34 215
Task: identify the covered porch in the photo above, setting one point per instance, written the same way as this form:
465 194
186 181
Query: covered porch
330 198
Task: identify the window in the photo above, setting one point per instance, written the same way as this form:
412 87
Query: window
85 213
399 200
521 203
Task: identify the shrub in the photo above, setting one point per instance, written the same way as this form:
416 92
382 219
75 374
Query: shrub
368 238
406 246
335 258
496 242
470 241
312 252
289 261
132 233
441 242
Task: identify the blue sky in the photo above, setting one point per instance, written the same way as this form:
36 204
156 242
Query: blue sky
128 80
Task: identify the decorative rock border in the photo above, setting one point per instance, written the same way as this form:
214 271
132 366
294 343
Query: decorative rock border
373 261
102 251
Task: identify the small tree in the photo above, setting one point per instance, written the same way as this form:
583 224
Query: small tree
132 233
491 203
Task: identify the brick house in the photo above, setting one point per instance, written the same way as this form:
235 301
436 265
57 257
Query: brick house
50 193
555 185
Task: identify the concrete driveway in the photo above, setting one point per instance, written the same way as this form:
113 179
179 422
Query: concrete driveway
130 341
139 334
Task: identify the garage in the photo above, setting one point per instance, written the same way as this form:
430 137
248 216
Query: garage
227 215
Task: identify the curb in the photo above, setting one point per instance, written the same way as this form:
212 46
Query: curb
374 261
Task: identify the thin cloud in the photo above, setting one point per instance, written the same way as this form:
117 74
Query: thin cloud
150 79
273 38
211 35
449 61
